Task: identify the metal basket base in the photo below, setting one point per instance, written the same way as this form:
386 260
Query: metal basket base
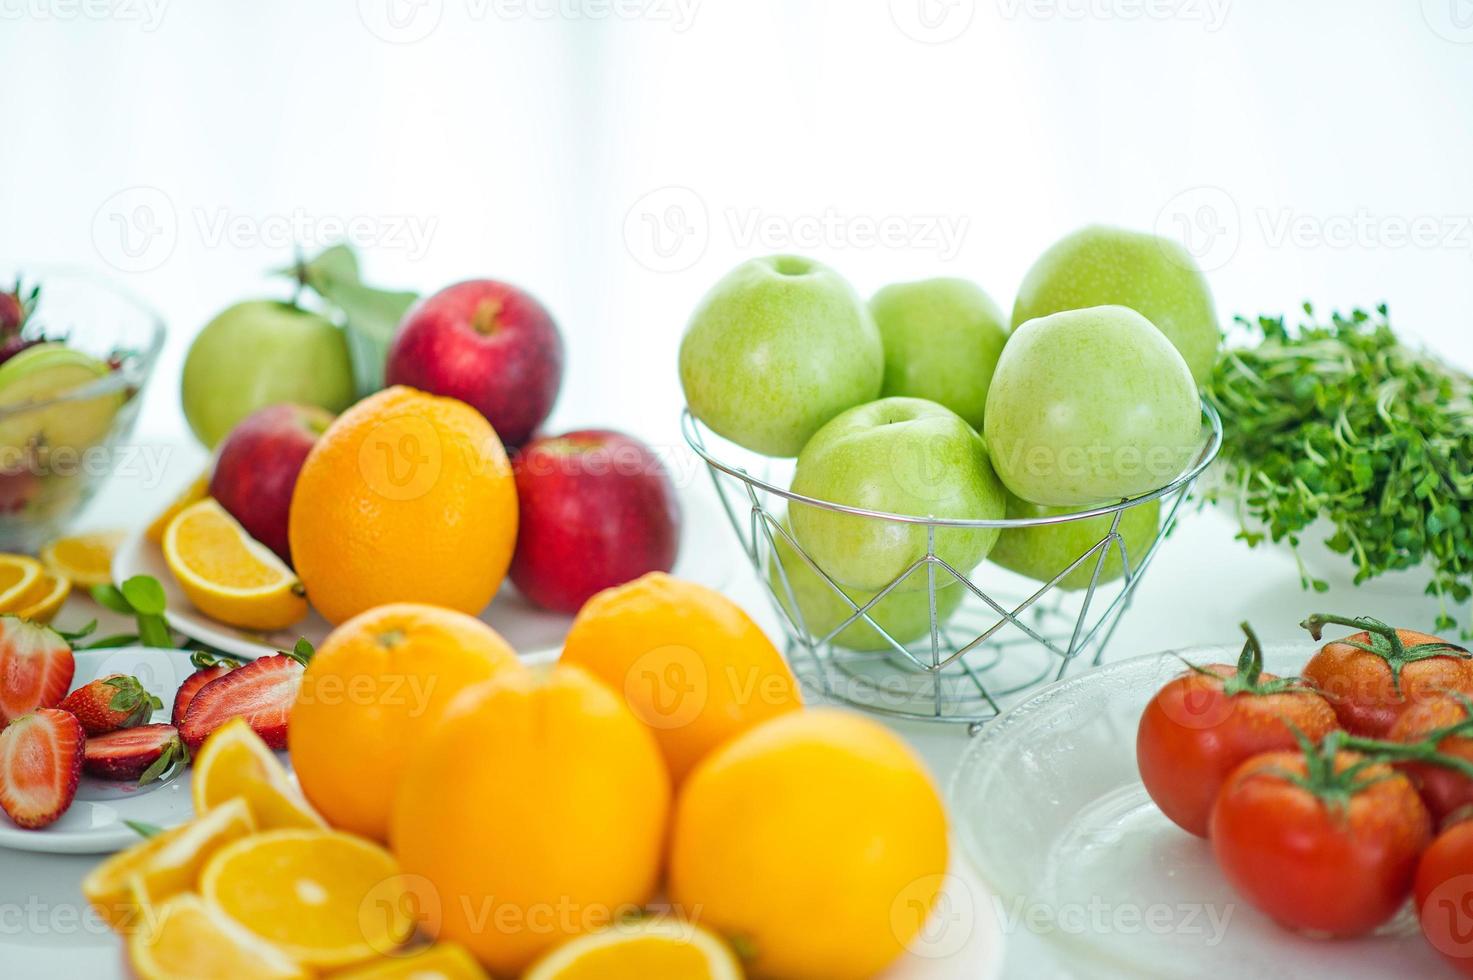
967 691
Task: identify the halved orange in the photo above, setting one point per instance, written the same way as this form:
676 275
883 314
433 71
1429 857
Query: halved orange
187 939
45 598
195 492
325 898
671 949
234 762
86 559
135 881
442 961
19 576
228 575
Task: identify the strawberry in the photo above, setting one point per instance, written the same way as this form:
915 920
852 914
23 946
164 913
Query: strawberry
40 762
143 753
262 691
35 667
111 702
209 668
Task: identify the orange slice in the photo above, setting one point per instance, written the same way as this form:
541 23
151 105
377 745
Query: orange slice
234 762
86 559
145 875
45 598
671 949
189 940
228 575
325 898
194 493
19 576
442 961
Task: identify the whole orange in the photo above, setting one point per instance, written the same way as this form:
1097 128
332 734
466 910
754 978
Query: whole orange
407 497
372 691
692 665
535 811
816 839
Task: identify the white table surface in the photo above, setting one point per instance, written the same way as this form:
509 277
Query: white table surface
1201 586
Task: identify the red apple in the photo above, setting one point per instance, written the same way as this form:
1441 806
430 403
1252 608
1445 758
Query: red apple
489 344
257 465
597 510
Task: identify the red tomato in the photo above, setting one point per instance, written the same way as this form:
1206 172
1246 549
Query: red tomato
1444 896
1444 790
1334 856
1202 725
1372 676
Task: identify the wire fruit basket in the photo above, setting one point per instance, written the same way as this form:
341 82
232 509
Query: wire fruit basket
951 649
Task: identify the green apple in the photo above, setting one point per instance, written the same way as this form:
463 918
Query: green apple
778 347
260 353
902 456
44 372
1046 550
942 339
1157 277
1090 405
906 616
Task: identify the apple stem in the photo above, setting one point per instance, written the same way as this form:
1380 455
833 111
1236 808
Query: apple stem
484 320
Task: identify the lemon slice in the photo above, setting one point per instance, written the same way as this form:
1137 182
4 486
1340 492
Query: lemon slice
194 493
325 898
671 949
44 599
189 940
228 575
234 762
86 559
442 961
160 867
19 576
44 372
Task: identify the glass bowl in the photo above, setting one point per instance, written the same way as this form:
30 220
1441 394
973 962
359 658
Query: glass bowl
68 407
1052 813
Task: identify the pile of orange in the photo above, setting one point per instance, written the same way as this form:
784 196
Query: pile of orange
532 814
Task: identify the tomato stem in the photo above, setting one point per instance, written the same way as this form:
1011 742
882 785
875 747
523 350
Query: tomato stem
1386 643
1321 779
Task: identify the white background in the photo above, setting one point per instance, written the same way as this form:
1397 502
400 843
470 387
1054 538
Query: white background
616 159
547 142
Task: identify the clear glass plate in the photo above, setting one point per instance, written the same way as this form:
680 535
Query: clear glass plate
1051 811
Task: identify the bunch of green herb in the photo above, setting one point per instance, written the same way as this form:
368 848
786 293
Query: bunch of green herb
1342 420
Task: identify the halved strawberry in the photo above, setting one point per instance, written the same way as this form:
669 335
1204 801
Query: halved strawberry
36 668
40 762
262 692
111 702
210 668
143 753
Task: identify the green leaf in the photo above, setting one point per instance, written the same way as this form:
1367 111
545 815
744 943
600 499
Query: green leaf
145 595
143 829
369 316
109 597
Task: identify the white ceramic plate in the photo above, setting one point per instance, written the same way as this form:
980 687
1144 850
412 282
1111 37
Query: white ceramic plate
94 823
524 626
1051 810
